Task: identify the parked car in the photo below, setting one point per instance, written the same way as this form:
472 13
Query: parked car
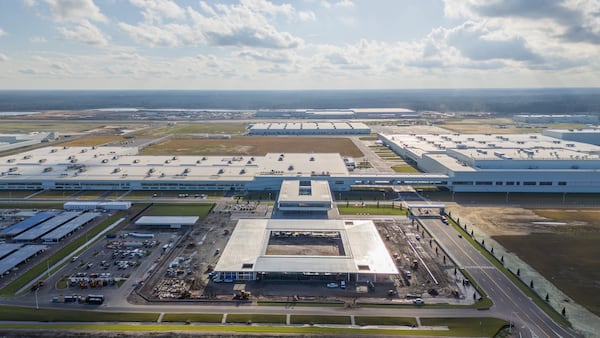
343 284
332 285
418 301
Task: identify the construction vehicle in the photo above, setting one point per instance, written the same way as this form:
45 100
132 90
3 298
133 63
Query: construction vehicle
242 295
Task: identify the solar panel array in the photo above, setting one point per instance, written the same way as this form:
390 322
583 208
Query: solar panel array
8 248
18 257
58 234
47 226
27 224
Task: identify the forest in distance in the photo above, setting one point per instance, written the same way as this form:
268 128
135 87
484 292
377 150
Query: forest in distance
496 101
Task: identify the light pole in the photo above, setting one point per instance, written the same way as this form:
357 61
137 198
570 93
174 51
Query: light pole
48 264
37 305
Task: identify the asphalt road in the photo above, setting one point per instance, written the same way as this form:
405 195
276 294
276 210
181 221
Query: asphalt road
509 300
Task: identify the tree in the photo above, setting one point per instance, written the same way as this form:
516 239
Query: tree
547 297
518 272
531 284
564 312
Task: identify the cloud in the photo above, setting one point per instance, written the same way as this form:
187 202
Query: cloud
337 4
75 10
474 42
307 16
151 35
244 25
267 56
247 24
579 20
2 32
3 57
38 39
337 59
86 33
155 11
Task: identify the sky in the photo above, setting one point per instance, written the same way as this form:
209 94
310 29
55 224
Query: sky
301 44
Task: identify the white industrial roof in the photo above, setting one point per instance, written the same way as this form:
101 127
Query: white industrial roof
291 191
364 250
167 220
120 163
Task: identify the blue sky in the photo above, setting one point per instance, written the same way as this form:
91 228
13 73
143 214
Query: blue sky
303 44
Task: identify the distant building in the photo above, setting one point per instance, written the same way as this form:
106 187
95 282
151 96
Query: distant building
585 135
338 114
576 118
309 128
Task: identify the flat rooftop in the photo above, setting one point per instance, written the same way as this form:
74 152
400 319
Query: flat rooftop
360 248
120 163
304 191
167 220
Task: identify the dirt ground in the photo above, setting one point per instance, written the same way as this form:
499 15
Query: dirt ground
312 246
560 243
255 145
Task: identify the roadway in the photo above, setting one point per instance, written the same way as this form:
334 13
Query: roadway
509 301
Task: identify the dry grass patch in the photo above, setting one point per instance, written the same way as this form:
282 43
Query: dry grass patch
255 145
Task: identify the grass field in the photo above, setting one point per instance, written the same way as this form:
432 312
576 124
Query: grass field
369 209
393 321
405 168
255 145
180 209
320 319
16 313
146 194
193 317
59 126
16 193
55 194
92 141
181 129
572 264
482 327
255 318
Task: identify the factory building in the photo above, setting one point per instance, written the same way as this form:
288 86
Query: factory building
575 118
584 135
460 162
309 128
272 249
337 114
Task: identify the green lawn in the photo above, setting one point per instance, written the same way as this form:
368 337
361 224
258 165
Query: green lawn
147 194
468 327
193 317
255 318
370 209
392 321
180 209
405 168
319 319
16 193
16 313
56 194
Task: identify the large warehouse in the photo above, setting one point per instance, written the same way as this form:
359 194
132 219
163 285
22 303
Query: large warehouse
309 128
503 163
460 162
350 250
